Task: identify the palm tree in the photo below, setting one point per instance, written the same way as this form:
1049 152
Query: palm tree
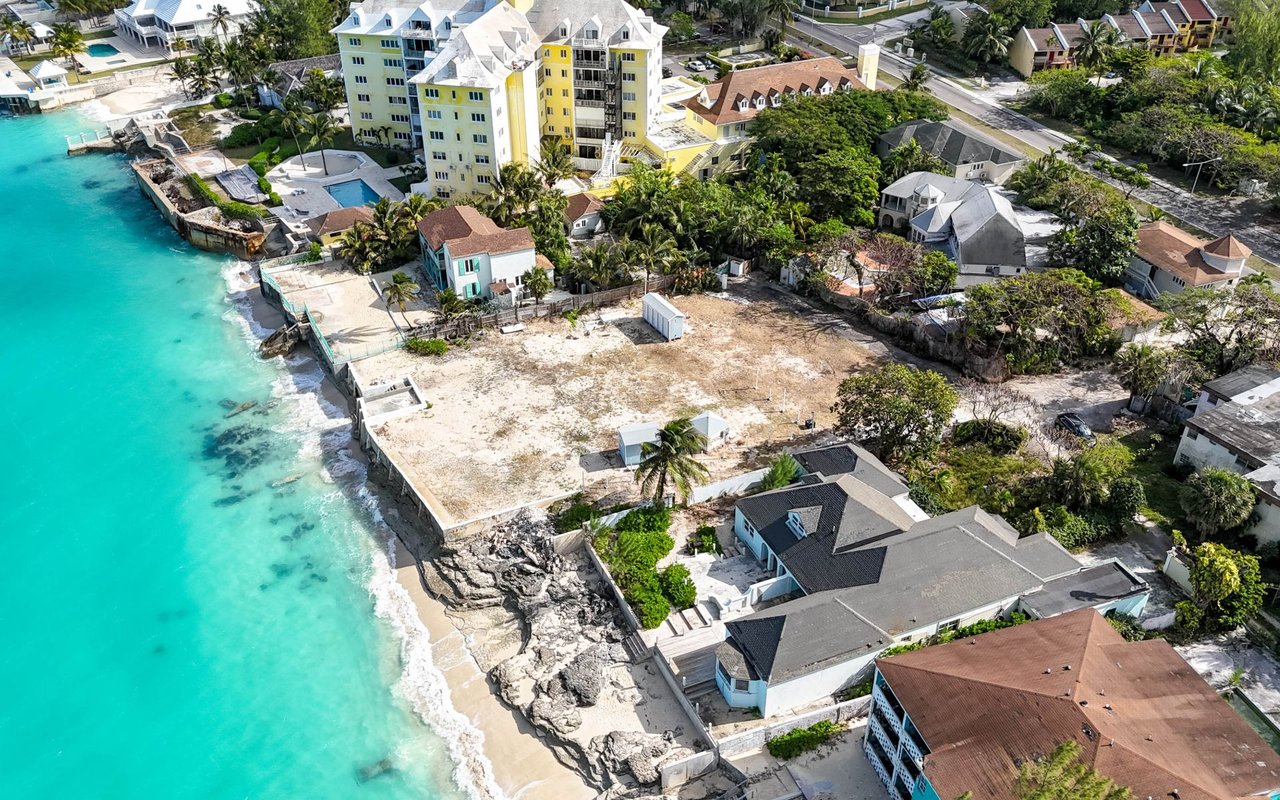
1141 369
179 46
220 16
556 164
1097 42
417 206
916 79
986 38
656 249
536 282
66 42
939 30
671 458
19 32
400 292
293 121
356 250
320 131
182 72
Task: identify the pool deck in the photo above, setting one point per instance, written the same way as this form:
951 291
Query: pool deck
129 54
301 183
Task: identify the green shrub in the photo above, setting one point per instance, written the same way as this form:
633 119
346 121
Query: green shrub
252 113
783 471
393 157
1179 470
223 100
1125 498
1000 438
201 189
258 162
979 627
426 347
802 740
648 602
677 586
275 199
927 499
242 135
264 185
857 690
236 210
1077 531
704 540
1127 625
646 519
314 253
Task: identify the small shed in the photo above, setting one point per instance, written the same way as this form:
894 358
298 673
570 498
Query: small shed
665 318
712 426
630 439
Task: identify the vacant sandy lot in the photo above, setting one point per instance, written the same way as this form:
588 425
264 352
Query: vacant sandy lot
522 417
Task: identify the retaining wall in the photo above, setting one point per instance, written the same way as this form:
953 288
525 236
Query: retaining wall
752 740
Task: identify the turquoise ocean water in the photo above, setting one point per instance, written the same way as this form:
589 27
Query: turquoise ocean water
173 625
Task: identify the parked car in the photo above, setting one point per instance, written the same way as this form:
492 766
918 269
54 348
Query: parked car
1073 424
666 72
696 66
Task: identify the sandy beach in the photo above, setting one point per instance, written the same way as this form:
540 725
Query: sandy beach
522 765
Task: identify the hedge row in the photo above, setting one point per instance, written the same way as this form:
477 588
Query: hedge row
229 208
802 740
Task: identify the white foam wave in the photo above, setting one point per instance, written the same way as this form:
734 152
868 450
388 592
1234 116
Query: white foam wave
306 409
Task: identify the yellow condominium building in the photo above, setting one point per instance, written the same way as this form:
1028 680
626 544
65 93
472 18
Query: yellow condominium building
477 84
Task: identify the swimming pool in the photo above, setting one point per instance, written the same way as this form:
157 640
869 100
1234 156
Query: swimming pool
351 194
102 50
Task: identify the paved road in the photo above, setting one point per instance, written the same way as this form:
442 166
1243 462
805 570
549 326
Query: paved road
1250 220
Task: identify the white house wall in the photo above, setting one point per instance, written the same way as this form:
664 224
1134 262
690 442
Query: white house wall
1201 451
815 686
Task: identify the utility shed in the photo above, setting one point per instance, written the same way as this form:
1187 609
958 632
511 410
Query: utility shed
664 317
631 437
713 427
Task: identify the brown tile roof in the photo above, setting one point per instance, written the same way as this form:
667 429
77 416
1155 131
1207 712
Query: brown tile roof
1197 11
1141 715
1175 13
1175 251
768 81
581 205
339 220
1045 40
1157 24
1129 25
1228 247
468 232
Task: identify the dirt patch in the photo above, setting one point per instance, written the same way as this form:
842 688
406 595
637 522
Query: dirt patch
518 418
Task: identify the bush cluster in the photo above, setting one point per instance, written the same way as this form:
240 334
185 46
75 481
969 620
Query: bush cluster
981 626
426 347
229 208
1000 438
704 540
223 100
632 550
802 740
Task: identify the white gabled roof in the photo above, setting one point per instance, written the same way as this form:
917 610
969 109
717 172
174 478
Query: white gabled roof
47 69
484 52
187 12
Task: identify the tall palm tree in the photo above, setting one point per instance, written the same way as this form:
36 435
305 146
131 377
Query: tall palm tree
656 250
182 72
400 293
19 32
66 42
1097 42
939 30
782 9
916 79
671 459
417 206
293 121
220 16
179 46
556 164
986 38
320 131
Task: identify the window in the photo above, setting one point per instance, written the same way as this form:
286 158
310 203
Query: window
628 56
468 266
353 41
432 93
477 117
629 134
480 138
739 685
401 118
392 62
401 136
433 113
626 33
396 100
361 79
564 112
441 175
437 136
358 60
546 52
564 92
628 97
484 179
564 53
628 115
948 626
362 98
482 159
628 76
436 155
366 116
443 194
395 81
475 97
548 91
564 73
389 44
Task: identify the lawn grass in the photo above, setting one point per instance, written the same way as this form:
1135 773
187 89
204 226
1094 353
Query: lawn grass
196 131
402 183
1163 506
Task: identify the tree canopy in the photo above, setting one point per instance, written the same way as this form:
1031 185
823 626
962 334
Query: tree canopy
1062 776
1224 330
1216 499
898 412
1227 585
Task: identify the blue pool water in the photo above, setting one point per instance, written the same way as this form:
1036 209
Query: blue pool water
102 50
351 194
193 605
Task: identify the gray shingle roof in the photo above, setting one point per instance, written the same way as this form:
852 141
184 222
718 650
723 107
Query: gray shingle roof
797 638
1085 589
1242 380
1251 430
949 141
849 458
